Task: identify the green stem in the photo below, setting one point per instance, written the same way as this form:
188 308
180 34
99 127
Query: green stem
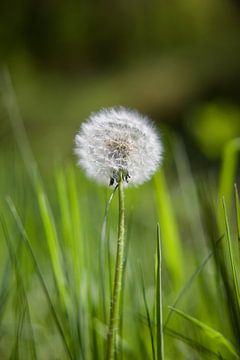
117 287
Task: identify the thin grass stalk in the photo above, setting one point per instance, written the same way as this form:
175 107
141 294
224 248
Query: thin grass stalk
40 276
21 137
227 177
237 204
192 343
158 299
232 260
149 322
76 226
4 287
117 287
14 116
170 234
189 283
21 287
215 336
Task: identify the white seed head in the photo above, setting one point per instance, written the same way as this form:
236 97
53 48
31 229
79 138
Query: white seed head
118 140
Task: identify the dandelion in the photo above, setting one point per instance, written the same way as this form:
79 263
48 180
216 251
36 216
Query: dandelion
118 140
118 146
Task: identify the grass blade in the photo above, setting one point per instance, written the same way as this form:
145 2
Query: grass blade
13 113
31 166
22 295
227 175
193 344
77 239
237 202
158 299
232 261
171 242
40 276
149 322
214 335
4 288
52 240
190 281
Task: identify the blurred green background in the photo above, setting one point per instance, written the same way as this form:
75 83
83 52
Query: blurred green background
177 61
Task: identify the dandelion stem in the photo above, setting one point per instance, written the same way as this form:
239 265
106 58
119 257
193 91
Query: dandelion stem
117 286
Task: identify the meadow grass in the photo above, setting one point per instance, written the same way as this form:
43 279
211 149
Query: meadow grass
58 233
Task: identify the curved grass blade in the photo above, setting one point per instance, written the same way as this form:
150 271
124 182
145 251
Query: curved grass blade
52 240
149 322
32 169
14 115
193 344
170 235
72 256
40 276
19 328
227 175
77 241
14 260
237 204
211 333
63 201
189 283
4 288
232 261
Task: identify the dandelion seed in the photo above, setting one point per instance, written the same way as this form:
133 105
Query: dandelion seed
118 140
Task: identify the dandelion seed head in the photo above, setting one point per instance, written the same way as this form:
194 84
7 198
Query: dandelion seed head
118 140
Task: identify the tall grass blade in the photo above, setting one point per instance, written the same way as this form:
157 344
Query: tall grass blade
225 291
19 327
237 202
158 299
170 236
15 119
214 335
31 166
77 248
52 240
203 350
232 261
4 287
227 175
63 200
71 259
22 292
189 283
39 273
149 322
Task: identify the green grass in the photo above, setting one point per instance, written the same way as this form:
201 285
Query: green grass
58 239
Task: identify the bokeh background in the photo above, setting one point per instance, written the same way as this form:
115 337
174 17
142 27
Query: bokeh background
177 61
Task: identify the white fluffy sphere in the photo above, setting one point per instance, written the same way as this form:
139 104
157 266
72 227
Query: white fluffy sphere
118 140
